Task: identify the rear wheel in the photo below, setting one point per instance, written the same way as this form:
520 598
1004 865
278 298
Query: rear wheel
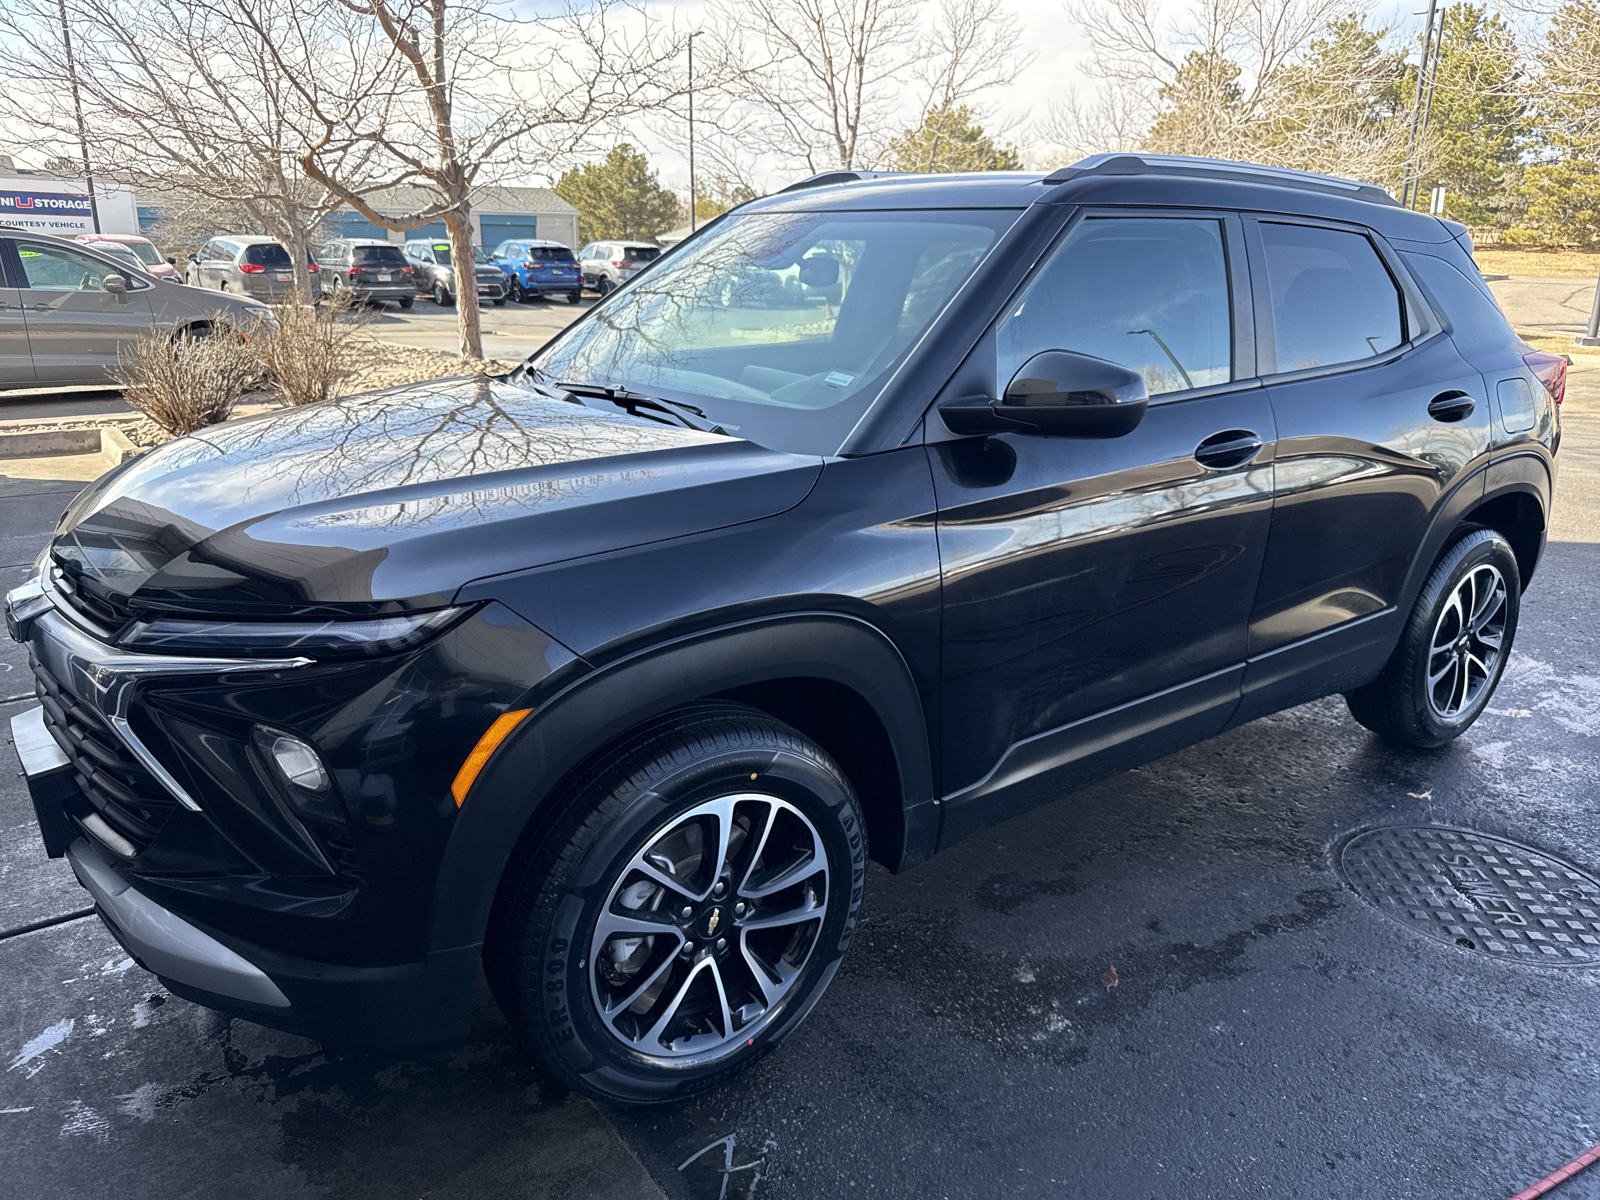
407 301
604 285
691 903
440 296
1453 650
574 297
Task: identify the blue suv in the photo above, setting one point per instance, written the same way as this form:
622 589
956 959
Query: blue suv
535 268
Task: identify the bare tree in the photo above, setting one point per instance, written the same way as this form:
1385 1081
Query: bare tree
467 93
821 78
971 48
182 98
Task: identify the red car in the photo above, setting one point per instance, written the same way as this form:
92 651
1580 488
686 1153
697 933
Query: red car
149 255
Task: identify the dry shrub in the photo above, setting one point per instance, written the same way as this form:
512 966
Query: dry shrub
186 383
310 353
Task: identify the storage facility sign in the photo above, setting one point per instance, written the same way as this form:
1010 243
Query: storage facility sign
47 212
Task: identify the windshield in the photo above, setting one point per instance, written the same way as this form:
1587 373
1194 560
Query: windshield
781 327
441 254
117 251
146 253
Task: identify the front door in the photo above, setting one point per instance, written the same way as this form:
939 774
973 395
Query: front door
1097 593
77 328
1378 419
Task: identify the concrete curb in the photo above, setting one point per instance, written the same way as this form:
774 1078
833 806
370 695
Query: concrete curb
110 443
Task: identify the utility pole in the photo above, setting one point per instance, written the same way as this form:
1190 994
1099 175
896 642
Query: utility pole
1592 338
77 108
694 201
1408 179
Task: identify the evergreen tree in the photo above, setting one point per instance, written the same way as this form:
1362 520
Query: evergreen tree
950 139
1561 192
618 197
1479 125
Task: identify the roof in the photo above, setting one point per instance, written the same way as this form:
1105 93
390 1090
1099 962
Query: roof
127 239
1121 179
405 198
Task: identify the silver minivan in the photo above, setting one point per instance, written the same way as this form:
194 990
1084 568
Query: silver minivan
67 312
248 265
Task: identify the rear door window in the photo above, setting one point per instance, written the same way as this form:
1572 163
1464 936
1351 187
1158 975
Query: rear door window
1333 300
1148 293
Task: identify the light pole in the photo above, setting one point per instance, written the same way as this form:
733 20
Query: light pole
77 108
694 202
1412 148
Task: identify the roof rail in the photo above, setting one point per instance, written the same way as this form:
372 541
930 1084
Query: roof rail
1220 168
825 178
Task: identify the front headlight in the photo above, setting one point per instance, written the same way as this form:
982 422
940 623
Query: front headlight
364 637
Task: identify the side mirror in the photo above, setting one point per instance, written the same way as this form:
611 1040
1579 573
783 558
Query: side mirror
194 258
172 262
1058 392
117 286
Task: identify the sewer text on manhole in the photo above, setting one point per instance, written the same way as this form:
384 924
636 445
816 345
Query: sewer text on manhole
1482 893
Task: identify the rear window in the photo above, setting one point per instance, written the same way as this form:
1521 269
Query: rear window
387 255
267 254
1333 300
641 253
553 253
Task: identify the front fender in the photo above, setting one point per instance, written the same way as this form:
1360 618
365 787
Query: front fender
588 712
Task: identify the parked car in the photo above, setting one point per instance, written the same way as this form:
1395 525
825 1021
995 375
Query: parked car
122 254
438 277
68 311
149 256
535 268
249 265
607 676
371 270
606 265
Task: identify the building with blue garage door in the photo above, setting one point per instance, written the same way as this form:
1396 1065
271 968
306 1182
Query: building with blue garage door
498 214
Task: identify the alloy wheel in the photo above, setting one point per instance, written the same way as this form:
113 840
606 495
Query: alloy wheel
1468 639
708 927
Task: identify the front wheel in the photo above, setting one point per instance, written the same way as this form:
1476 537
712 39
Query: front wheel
1453 650
440 296
691 903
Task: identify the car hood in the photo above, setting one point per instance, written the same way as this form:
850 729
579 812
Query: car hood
397 499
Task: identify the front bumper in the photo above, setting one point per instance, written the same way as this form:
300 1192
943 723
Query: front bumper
319 923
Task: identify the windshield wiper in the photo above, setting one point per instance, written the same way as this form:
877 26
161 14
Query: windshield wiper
686 415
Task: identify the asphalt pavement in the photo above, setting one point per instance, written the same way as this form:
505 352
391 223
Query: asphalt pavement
1162 986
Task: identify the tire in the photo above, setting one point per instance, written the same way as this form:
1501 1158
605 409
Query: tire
500 302
604 285
574 297
440 296
407 301
668 788
1422 699
515 292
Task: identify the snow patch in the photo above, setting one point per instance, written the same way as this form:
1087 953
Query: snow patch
30 1059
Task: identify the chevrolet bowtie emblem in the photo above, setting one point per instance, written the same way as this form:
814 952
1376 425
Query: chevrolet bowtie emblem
716 919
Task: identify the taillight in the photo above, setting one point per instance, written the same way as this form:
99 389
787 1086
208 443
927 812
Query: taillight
251 268
409 269
311 266
1551 370
532 264
356 269
619 262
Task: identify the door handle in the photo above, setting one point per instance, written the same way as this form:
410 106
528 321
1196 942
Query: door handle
1451 406
1228 449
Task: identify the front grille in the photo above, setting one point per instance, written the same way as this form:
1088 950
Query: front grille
111 779
101 606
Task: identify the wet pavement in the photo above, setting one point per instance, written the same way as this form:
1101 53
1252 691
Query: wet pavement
1157 987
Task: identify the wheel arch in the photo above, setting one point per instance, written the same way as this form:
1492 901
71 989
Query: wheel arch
837 678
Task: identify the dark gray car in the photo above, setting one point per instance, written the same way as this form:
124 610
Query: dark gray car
67 311
372 270
247 264
436 275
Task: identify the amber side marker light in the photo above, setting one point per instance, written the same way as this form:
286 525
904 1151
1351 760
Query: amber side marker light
487 745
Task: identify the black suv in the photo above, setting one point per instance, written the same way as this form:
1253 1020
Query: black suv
371 271
610 675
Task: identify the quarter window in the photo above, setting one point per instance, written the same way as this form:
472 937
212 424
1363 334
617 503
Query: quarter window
1333 300
1149 293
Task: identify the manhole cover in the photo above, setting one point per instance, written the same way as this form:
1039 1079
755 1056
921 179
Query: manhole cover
1481 893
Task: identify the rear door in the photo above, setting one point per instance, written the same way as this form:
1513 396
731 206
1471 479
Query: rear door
1379 418
1097 592
77 329
16 362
